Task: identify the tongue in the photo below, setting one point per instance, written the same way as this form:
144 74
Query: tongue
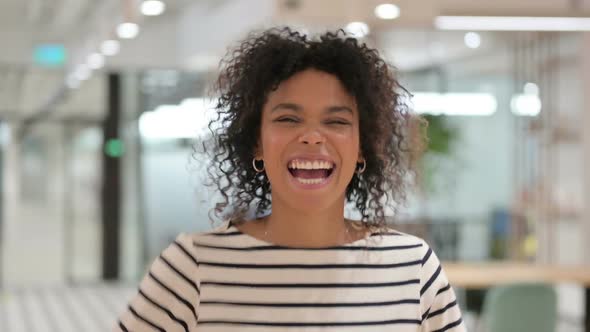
309 173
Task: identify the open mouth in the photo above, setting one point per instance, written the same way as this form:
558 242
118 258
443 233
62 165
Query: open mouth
311 172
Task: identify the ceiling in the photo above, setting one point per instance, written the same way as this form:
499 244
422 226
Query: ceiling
409 41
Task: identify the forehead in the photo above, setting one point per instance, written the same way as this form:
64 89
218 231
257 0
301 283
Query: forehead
312 88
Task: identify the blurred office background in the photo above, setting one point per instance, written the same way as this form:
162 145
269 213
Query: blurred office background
102 101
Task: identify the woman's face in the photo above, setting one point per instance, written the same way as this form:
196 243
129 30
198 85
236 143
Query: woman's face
309 140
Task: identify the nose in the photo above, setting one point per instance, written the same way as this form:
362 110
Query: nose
312 136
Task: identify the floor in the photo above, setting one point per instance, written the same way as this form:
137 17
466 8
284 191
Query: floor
62 309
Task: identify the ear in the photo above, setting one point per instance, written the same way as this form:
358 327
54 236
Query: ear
258 150
360 157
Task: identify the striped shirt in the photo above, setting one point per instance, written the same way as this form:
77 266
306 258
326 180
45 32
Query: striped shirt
226 280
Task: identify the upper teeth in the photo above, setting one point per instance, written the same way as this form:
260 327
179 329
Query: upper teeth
316 164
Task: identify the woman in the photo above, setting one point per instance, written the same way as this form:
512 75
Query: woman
306 126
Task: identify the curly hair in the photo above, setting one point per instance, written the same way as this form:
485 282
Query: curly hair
257 66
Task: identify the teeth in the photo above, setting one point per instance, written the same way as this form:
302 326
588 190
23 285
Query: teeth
310 181
316 164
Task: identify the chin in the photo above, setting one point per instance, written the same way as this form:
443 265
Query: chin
313 203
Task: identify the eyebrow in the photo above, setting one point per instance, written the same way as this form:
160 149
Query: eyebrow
298 108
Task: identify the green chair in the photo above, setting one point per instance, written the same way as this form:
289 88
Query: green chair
520 308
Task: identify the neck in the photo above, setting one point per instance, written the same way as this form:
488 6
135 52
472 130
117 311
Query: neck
293 227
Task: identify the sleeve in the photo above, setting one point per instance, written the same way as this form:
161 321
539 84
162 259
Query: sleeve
438 303
167 298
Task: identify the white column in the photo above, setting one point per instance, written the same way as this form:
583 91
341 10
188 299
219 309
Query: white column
132 211
10 201
33 247
585 122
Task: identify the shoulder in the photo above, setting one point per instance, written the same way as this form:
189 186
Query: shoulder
399 246
220 230
220 234
390 235
430 270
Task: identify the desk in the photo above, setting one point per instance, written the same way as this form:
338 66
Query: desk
489 274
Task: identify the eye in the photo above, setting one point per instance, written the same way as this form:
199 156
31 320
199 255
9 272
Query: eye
338 122
287 119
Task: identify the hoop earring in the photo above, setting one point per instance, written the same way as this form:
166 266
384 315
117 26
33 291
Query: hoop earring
256 168
362 169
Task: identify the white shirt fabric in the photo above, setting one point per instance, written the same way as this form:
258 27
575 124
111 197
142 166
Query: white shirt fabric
226 280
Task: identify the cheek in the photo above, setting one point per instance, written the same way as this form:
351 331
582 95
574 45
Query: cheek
273 145
351 140
348 148
272 140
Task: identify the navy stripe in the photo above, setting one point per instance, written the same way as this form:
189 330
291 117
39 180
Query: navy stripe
261 248
168 312
238 232
225 234
444 289
425 315
311 266
387 233
145 320
181 247
192 283
310 285
122 326
440 311
313 324
427 256
450 325
178 297
430 281
312 305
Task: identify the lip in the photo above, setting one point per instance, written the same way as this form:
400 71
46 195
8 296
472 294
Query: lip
310 157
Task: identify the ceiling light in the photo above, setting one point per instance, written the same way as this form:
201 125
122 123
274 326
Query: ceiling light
189 119
152 7
95 61
526 105
127 30
387 11
454 104
110 47
512 23
82 73
531 89
357 29
472 39
72 82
